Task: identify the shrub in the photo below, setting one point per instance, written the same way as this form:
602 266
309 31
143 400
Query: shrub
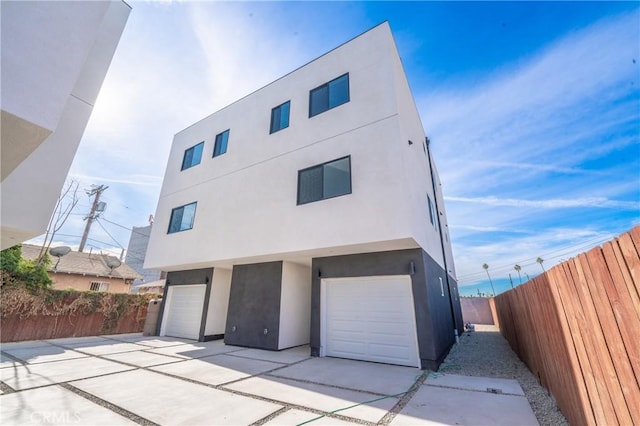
28 272
10 259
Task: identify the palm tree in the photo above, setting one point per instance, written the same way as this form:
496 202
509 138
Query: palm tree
518 268
486 268
540 260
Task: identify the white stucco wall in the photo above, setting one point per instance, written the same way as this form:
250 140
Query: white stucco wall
295 305
247 197
218 302
55 56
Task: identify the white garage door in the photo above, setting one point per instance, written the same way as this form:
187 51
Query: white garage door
370 319
184 311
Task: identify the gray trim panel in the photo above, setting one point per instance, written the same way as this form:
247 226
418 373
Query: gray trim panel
254 306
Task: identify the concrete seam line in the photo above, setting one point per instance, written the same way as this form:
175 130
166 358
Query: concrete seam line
104 357
5 388
142 344
218 387
327 385
106 404
26 363
473 390
266 372
73 380
404 400
254 359
265 399
149 349
270 416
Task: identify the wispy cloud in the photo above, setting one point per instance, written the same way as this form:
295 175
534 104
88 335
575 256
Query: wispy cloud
597 202
553 245
550 142
135 180
537 167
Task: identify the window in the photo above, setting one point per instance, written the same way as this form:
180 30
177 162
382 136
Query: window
329 95
99 286
182 218
432 213
327 180
221 143
280 117
192 156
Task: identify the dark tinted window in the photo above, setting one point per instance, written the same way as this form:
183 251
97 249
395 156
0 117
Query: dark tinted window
182 218
324 181
329 95
280 117
192 156
222 140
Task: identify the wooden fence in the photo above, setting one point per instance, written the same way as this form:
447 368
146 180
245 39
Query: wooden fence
52 314
577 327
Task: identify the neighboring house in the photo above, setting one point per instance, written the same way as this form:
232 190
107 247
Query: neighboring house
308 212
152 287
86 271
55 56
136 252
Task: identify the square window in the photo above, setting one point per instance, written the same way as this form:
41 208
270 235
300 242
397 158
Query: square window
182 218
329 95
192 156
222 139
280 117
324 181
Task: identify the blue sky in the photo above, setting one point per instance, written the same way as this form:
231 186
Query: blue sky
533 110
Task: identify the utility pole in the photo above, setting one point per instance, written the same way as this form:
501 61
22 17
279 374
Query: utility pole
95 190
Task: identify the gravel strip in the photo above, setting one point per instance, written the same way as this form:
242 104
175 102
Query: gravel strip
486 353
106 404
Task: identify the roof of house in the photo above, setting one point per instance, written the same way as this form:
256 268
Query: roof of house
84 264
157 283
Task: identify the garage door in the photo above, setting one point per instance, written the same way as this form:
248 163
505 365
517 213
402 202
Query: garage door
370 319
184 311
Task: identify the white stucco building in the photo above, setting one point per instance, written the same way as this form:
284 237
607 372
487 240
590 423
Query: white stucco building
55 56
310 212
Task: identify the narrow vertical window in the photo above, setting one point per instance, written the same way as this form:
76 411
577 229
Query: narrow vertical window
329 95
192 156
431 216
433 213
280 117
222 139
182 218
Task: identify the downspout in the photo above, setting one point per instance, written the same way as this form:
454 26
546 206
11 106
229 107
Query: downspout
444 254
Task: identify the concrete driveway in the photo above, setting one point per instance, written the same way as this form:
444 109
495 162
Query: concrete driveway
129 379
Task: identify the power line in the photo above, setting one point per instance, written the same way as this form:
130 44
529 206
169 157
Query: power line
89 239
124 227
103 243
531 261
109 234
